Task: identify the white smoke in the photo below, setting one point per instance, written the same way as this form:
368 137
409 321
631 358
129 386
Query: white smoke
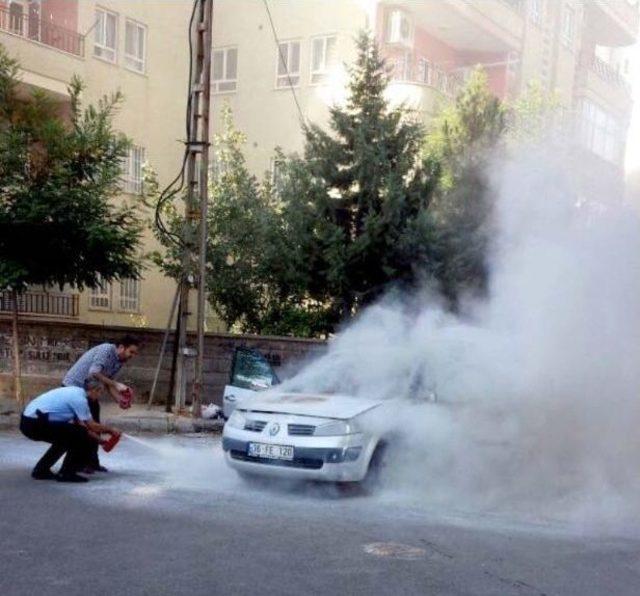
538 385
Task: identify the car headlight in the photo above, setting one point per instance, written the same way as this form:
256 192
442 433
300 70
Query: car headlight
334 428
237 419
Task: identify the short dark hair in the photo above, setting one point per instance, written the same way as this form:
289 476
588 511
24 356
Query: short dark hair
129 340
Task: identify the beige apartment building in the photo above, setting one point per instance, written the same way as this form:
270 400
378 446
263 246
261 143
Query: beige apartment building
277 61
576 48
142 49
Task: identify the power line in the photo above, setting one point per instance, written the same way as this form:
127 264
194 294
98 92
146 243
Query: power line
275 37
167 195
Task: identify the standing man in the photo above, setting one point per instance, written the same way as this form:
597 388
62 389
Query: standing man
62 417
103 362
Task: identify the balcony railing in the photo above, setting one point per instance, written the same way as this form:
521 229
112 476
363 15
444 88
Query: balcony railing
46 304
605 71
34 28
427 73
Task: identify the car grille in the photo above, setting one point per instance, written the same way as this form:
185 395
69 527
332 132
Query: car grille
256 426
298 462
301 430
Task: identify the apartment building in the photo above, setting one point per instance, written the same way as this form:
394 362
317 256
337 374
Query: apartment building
576 48
142 49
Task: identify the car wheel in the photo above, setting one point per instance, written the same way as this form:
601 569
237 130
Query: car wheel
377 464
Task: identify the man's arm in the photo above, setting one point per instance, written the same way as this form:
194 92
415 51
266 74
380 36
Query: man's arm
95 429
113 387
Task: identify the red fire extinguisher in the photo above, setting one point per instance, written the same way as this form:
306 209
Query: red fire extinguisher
111 442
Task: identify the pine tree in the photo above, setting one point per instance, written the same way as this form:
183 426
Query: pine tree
368 192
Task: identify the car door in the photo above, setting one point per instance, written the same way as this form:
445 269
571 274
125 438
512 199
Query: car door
250 372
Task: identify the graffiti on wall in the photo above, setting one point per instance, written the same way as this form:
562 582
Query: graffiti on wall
38 350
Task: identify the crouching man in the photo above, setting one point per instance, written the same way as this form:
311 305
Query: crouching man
62 417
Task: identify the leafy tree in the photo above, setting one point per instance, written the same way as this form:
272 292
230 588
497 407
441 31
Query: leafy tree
464 139
59 224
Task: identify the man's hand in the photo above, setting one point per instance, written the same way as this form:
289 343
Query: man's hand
121 387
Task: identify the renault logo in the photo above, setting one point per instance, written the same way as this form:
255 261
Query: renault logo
274 429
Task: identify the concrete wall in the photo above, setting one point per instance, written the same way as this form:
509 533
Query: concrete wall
49 349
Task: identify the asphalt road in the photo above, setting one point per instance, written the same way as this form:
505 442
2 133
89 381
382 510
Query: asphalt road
171 519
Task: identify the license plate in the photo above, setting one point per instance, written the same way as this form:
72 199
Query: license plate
270 451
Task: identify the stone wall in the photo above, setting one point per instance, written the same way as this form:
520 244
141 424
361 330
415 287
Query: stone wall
50 348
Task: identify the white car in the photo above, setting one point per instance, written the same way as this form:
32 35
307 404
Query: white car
306 436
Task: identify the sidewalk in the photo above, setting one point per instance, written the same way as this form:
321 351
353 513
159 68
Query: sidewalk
136 419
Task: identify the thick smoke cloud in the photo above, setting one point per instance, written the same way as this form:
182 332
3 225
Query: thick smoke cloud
538 385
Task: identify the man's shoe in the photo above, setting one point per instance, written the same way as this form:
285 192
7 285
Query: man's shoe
71 477
100 468
43 475
88 470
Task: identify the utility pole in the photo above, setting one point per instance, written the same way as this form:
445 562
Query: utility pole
195 225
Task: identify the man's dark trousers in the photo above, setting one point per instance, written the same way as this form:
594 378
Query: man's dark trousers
93 461
65 437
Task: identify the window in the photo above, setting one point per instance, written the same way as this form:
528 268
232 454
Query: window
132 170
135 46
568 26
398 28
600 132
106 35
535 11
323 54
130 295
277 174
288 57
100 296
225 70
16 17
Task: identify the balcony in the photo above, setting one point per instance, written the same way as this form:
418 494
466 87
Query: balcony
597 78
612 22
468 25
422 85
423 72
42 304
32 27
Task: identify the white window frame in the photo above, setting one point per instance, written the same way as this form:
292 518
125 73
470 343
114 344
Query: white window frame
568 26
133 170
100 297
225 84
291 78
318 76
129 298
101 50
134 62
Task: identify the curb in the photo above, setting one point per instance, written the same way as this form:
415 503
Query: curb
165 425
142 424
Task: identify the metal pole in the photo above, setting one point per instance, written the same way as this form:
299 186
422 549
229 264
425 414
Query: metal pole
204 198
162 348
195 211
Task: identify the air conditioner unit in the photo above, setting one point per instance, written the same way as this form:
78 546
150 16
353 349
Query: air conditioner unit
399 29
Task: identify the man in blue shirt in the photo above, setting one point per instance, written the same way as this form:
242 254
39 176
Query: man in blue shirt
102 362
62 417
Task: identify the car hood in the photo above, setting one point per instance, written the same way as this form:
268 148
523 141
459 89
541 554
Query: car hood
321 405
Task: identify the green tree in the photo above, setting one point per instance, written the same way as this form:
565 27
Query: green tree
365 192
464 139
59 223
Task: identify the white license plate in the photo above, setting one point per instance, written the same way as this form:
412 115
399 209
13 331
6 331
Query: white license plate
270 451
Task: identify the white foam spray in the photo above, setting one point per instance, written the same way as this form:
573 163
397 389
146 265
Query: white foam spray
539 384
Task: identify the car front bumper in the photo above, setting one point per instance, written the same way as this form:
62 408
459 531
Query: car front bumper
333 459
